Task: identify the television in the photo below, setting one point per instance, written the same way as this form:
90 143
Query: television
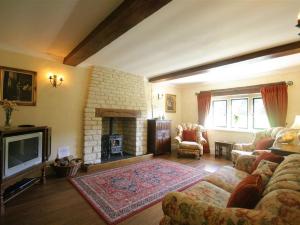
21 152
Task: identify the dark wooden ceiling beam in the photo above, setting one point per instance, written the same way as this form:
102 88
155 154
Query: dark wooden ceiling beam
126 16
279 51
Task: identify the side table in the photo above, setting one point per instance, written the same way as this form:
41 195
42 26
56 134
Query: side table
285 150
220 145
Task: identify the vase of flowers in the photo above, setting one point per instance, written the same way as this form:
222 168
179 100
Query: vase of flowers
8 107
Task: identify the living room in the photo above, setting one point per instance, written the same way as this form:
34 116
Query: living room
119 69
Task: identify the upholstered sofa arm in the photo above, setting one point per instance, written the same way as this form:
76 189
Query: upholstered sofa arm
181 209
178 139
244 147
245 163
260 152
201 140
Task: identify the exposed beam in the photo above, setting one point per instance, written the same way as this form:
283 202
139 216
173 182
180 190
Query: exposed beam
126 16
282 50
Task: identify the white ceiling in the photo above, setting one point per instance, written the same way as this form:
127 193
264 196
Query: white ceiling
49 28
191 32
182 34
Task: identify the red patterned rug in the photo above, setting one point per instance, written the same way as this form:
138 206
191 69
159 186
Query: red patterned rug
119 193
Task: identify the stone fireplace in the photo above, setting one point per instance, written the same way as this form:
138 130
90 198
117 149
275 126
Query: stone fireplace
121 97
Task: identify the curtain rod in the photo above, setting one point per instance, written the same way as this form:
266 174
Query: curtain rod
243 90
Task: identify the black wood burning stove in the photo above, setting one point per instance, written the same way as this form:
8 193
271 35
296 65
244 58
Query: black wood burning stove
111 143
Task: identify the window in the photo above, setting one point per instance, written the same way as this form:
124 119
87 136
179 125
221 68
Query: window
238 112
260 119
220 113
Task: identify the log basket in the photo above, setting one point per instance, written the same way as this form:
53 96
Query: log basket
69 170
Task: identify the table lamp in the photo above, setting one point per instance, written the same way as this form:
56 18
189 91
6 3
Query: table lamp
296 125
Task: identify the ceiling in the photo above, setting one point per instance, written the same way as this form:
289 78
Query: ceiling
192 32
50 28
180 35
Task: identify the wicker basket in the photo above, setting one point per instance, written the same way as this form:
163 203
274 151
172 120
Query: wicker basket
68 171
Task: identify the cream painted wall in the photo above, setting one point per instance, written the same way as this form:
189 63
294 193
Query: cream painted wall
159 105
60 108
189 104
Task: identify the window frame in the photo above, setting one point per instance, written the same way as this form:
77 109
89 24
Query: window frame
250 114
242 98
255 128
213 101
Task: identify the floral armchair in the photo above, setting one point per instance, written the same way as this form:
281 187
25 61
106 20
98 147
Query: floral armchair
190 147
250 148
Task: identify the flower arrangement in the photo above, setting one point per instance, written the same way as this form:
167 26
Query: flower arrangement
8 107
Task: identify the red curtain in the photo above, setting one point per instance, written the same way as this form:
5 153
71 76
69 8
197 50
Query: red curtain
275 99
204 99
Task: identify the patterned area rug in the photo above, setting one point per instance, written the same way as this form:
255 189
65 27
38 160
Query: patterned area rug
119 193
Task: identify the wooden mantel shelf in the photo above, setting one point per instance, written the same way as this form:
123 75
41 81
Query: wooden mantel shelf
101 112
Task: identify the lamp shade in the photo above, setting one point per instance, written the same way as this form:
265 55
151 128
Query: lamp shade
296 124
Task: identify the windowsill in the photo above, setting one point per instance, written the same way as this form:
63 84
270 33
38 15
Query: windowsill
233 130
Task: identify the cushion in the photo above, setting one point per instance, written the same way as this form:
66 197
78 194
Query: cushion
189 135
264 143
247 193
269 157
265 169
236 153
209 193
189 145
226 178
245 163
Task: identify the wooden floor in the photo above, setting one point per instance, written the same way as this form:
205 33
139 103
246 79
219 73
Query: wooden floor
58 203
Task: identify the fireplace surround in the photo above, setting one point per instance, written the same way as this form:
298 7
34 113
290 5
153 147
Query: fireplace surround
118 95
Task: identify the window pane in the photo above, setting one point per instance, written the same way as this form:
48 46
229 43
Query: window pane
220 113
239 113
260 119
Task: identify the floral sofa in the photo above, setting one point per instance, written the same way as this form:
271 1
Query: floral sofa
205 203
249 148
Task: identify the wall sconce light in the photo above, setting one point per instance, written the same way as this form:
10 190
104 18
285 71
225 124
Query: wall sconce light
55 81
160 96
298 22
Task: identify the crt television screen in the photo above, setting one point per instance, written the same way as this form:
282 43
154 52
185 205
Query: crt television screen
22 151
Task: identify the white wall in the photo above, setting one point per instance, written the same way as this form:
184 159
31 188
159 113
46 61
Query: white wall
60 108
189 102
159 105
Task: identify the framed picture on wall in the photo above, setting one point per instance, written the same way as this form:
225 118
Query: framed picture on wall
18 85
170 103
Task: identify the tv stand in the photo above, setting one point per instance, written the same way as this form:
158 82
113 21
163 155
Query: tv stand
16 184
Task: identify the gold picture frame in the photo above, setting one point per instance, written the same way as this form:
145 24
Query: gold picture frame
170 104
18 85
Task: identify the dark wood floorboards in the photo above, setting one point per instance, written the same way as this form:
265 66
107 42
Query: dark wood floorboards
58 203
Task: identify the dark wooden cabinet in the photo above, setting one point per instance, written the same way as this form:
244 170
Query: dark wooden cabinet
159 136
10 185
